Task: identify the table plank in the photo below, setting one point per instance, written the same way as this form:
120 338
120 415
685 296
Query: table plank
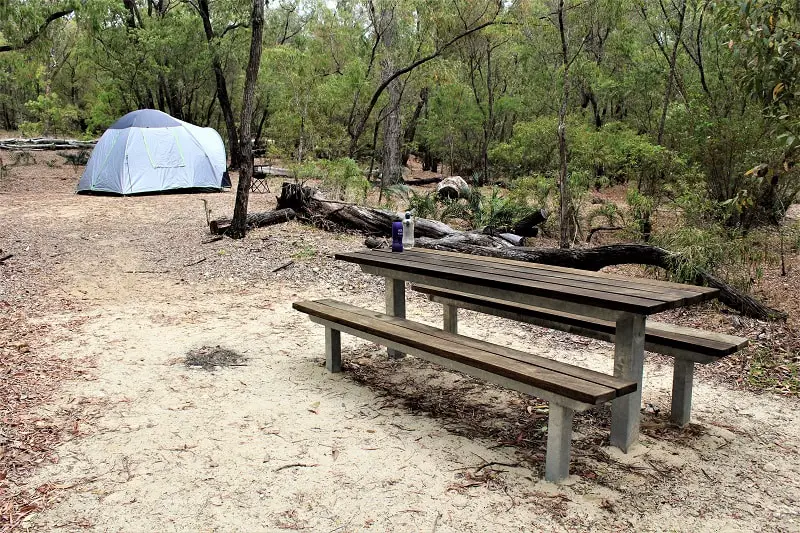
531 272
587 273
601 299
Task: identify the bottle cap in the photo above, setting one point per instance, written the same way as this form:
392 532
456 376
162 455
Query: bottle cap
408 214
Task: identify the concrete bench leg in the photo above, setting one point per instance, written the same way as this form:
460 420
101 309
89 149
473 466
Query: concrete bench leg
682 391
395 306
629 365
559 442
333 350
450 318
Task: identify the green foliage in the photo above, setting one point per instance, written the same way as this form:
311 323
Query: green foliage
50 116
478 209
423 205
535 191
607 214
765 38
739 258
641 208
341 178
532 148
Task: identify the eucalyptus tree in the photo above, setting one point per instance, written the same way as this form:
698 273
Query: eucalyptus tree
238 226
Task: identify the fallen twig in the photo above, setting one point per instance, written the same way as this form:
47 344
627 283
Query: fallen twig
284 265
493 463
195 262
294 465
145 271
6 258
436 521
213 239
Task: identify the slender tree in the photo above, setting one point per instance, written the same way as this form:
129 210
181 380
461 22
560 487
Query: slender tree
238 227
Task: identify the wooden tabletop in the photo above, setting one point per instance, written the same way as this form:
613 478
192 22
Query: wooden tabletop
600 290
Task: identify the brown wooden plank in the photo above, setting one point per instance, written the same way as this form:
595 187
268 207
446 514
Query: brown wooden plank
654 282
605 282
531 273
656 333
398 330
549 364
606 300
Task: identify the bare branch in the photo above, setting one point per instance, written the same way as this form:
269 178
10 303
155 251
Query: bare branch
35 35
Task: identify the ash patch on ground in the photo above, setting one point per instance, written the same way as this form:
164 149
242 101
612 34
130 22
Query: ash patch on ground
213 357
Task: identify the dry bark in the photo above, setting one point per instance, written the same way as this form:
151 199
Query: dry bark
254 220
312 205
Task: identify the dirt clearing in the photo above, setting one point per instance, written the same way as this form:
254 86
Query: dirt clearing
106 296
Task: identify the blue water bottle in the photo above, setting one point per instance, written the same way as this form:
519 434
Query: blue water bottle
397 236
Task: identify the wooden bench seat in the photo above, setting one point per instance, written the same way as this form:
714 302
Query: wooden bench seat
687 345
568 388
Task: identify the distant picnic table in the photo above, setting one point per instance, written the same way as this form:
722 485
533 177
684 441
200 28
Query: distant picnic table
606 306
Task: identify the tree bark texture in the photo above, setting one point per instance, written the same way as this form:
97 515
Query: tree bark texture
254 220
391 172
238 227
311 205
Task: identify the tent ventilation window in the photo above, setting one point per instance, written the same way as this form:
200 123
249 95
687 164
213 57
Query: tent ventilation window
159 143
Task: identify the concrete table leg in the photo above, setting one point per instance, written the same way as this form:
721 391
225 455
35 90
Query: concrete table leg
628 364
682 391
333 350
559 442
395 305
450 318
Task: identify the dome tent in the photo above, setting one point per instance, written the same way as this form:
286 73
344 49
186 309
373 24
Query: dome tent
148 151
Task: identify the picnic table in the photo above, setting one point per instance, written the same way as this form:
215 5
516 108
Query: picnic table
625 301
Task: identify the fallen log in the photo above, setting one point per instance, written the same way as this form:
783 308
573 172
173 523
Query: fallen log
592 231
269 170
424 181
527 227
312 205
604 256
45 144
254 220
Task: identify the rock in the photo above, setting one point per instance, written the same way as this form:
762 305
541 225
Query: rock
453 187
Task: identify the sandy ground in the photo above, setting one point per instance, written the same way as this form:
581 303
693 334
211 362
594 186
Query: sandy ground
278 444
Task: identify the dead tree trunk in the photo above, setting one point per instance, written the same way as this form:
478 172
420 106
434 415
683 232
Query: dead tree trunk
310 204
254 220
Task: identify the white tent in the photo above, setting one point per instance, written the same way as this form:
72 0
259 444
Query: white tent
148 150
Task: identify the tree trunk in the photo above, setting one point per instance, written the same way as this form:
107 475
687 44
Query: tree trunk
672 67
565 215
222 86
238 227
411 128
391 172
